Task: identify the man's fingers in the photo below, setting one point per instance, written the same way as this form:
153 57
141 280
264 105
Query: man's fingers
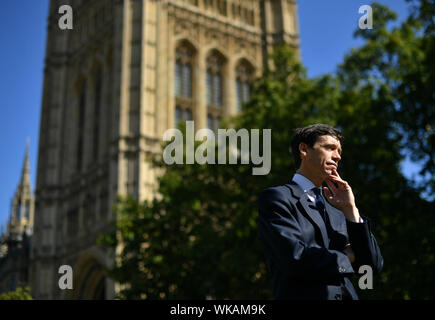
331 185
337 179
335 175
328 193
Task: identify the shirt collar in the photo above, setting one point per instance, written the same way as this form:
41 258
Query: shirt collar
303 182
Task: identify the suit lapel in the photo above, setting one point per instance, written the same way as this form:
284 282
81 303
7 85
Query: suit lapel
307 208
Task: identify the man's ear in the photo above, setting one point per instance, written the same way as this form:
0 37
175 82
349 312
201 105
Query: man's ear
303 149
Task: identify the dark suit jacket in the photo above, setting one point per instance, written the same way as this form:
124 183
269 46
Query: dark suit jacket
304 261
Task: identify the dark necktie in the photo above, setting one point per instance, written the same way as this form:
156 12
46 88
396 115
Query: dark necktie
320 204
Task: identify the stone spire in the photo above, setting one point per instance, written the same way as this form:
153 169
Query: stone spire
23 203
25 172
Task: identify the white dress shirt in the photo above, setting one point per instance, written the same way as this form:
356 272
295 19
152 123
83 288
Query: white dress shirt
306 185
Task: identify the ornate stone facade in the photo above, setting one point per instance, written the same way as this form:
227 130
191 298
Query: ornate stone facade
126 72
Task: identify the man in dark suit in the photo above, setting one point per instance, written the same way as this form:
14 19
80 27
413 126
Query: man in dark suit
312 246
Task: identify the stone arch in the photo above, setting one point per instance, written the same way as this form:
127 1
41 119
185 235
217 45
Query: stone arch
213 51
216 41
243 60
184 42
245 69
89 282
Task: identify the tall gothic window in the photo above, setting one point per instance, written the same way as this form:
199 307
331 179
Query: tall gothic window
97 107
184 58
81 127
244 75
183 71
183 79
215 64
214 89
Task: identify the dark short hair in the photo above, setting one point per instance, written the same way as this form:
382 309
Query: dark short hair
309 135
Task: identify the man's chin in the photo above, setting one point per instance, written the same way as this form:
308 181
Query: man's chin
328 173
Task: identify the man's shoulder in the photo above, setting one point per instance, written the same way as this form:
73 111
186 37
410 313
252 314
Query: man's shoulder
276 190
277 199
277 193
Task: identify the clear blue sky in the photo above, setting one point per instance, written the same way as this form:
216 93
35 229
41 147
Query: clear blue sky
326 29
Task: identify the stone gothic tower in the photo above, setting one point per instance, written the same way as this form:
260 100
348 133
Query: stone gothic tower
14 244
125 73
22 206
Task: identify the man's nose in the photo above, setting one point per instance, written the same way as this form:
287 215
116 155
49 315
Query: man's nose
336 156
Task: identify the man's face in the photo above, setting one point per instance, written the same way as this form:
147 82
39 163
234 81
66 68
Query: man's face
322 158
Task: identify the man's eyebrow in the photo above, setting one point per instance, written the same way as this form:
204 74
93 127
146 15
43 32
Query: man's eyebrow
333 145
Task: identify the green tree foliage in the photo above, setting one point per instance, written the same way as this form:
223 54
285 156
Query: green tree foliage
401 61
198 238
21 293
390 83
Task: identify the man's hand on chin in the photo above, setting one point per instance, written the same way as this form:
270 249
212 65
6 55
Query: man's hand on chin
342 196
